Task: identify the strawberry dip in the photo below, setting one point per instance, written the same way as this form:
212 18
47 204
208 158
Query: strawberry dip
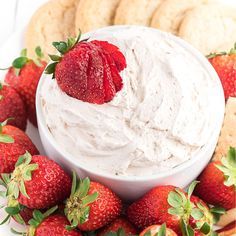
162 117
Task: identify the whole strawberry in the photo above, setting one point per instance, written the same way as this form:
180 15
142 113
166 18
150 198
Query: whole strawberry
218 182
12 106
13 143
170 205
225 66
91 205
24 76
88 71
50 225
38 182
120 226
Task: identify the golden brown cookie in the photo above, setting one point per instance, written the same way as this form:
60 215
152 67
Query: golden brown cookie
136 12
170 14
53 21
208 27
94 14
228 132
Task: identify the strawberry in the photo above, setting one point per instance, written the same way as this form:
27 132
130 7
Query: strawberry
170 205
120 226
48 224
11 105
218 182
88 71
13 143
157 230
45 224
91 205
24 76
225 66
38 182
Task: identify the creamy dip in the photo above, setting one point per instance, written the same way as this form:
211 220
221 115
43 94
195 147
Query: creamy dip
161 118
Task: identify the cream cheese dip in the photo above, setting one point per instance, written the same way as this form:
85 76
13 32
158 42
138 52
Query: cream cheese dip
162 117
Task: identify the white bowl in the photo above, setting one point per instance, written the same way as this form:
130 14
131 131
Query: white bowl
128 187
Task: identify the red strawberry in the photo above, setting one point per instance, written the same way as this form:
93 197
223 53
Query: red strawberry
13 143
119 225
49 224
88 71
55 226
157 230
170 205
91 205
11 106
24 76
218 182
225 66
115 53
38 182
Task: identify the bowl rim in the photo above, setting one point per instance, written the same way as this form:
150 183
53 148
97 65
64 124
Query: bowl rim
185 165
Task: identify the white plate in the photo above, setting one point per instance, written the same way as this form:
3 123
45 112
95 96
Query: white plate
8 52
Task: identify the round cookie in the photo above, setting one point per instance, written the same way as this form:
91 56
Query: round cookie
209 27
170 14
93 14
135 12
53 21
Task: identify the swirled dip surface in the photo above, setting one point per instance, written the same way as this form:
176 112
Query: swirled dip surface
161 118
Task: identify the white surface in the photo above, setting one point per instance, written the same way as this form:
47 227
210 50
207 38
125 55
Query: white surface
11 20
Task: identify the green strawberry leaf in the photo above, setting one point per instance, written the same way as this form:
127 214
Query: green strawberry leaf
184 199
228 168
162 230
55 57
12 210
6 139
38 215
174 199
50 211
231 157
33 223
60 46
38 52
205 229
19 62
74 183
20 160
148 233
216 213
176 211
219 210
6 178
22 189
191 188
23 52
89 198
83 187
197 214
50 69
